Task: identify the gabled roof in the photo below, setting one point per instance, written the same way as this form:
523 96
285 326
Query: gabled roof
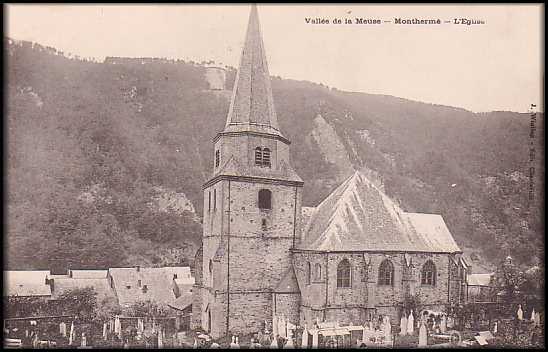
100 286
252 105
26 283
358 216
288 283
159 281
87 274
479 279
182 302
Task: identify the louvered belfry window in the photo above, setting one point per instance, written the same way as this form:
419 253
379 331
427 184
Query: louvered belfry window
266 157
386 273
262 157
258 156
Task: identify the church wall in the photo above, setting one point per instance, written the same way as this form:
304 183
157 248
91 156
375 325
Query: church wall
196 320
287 304
365 297
248 311
258 257
313 294
436 295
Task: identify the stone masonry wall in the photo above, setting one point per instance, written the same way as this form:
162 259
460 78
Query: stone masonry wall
287 304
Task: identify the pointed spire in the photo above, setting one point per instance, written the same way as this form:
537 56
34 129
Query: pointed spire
252 105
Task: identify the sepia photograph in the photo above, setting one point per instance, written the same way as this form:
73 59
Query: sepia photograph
278 176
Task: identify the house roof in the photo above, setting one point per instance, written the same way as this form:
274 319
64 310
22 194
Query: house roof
159 284
26 283
252 105
101 287
479 279
288 283
88 274
182 302
358 216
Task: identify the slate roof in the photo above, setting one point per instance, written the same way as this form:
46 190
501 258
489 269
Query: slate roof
358 216
88 274
101 287
288 283
159 281
182 302
26 283
252 105
479 279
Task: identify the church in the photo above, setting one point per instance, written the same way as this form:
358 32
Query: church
356 256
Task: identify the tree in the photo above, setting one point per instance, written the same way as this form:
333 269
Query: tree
148 309
82 302
507 281
108 308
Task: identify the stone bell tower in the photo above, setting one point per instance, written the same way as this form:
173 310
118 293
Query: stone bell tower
252 204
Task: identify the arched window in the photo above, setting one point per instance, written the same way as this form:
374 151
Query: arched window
386 273
317 272
217 158
428 273
210 266
266 157
344 273
265 199
258 156
308 272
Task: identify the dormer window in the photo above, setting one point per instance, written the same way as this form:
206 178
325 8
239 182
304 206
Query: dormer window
262 157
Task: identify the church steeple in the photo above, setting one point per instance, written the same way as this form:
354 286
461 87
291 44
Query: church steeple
252 105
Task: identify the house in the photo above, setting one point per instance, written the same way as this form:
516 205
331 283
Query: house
29 283
160 285
79 279
478 287
354 257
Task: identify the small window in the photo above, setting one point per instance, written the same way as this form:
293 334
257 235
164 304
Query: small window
258 156
138 283
217 158
386 273
344 274
128 287
263 224
145 288
318 272
266 157
428 274
265 199
308 273
210 266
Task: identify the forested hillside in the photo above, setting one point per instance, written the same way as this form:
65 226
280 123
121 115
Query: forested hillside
105 161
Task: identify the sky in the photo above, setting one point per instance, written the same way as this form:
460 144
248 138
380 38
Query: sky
497 65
